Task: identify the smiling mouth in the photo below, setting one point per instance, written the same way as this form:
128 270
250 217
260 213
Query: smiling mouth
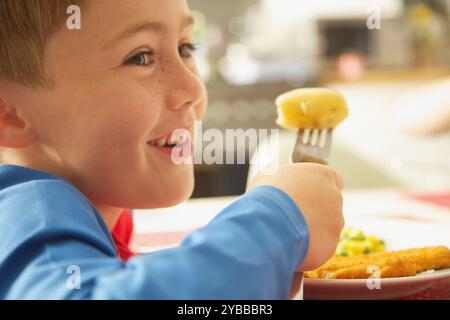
168 141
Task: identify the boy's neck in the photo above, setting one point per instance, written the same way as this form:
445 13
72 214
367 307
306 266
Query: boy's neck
109 214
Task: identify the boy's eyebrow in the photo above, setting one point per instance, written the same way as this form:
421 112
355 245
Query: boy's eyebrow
152 26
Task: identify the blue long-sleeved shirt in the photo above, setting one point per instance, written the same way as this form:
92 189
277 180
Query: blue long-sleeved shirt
55 245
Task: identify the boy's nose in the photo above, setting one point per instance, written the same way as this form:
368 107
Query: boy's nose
185 88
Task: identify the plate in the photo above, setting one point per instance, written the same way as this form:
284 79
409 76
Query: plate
367 289
398 234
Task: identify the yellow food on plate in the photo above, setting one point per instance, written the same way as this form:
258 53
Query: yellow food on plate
354 242
311 108
393 264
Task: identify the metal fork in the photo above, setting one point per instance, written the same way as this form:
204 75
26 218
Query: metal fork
311 146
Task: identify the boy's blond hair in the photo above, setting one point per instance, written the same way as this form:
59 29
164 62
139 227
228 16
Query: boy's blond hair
25 26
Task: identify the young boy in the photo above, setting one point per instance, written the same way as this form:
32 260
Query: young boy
84 117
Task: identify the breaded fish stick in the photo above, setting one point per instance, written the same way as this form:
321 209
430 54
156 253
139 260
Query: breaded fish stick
401 263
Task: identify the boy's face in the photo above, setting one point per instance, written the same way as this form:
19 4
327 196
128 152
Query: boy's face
126 78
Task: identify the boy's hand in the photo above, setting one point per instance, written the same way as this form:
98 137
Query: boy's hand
316 189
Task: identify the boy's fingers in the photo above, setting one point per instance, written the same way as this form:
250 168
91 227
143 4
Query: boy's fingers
328 171
337 178
339 181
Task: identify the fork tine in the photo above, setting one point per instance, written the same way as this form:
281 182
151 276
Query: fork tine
308 148
300 137
329 139
314 141
295 155
306 136
322 138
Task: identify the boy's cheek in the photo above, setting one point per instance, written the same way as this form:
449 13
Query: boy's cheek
125 115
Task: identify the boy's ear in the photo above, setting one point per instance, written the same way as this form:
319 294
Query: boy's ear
14 131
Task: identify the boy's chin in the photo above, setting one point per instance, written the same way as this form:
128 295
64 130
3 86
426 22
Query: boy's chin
169 190
173 193
176 197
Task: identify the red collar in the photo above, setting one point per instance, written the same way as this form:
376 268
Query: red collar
122 234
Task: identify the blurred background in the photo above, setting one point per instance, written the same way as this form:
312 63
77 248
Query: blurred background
390 58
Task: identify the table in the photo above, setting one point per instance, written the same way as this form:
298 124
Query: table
164 228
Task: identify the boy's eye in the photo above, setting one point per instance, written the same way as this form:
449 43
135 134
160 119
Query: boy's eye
186 50
144 58
141 59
